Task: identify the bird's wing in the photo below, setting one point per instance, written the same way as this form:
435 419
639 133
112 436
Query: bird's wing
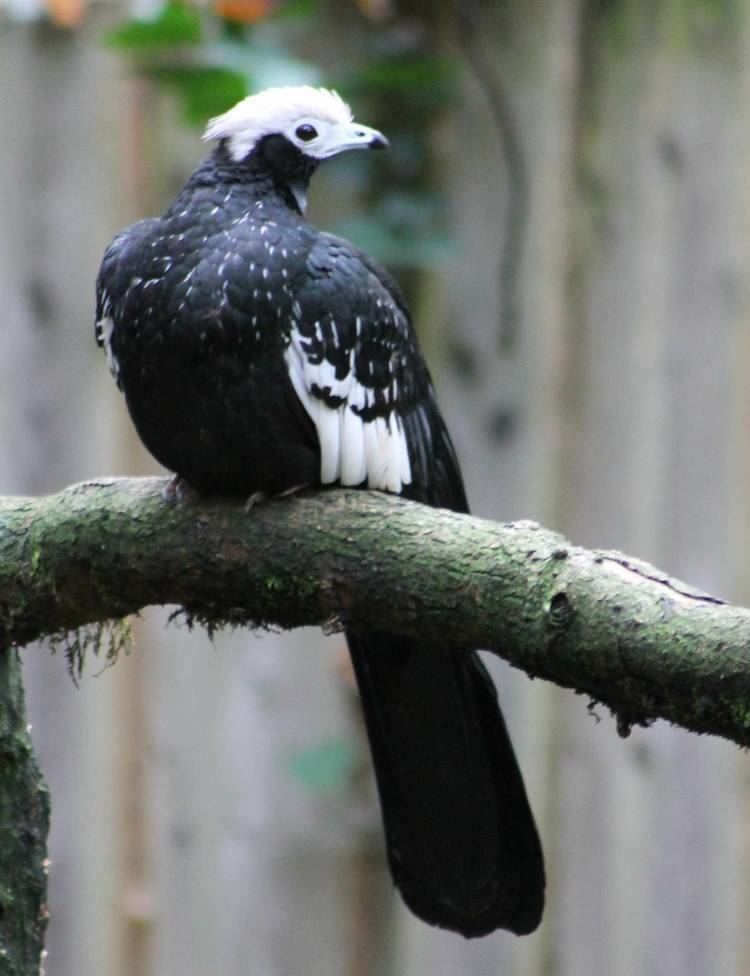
111 285
356 366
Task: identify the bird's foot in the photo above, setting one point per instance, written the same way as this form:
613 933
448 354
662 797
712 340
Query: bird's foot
261 496
178 490
255 499
292 491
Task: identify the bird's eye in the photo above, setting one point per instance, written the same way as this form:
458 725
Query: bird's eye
306 132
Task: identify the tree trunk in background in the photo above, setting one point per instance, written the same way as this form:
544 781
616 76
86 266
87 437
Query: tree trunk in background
212 807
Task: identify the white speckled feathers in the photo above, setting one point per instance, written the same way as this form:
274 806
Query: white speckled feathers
239 277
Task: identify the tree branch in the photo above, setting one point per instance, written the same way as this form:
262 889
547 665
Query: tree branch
609 626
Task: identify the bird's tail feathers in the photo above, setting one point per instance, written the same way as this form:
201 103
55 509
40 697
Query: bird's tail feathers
462 843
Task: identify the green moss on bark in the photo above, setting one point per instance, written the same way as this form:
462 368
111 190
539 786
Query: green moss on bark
24 822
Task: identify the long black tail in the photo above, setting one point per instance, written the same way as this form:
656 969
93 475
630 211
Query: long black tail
462 843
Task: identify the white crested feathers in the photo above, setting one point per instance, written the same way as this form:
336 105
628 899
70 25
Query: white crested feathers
352 450
279 110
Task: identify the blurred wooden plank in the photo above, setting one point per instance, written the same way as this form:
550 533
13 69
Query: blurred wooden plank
649 829
55 97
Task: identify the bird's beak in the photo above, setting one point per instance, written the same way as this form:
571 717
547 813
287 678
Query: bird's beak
351 135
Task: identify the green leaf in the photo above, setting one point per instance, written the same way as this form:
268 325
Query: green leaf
324 767
422 79
404 230
204 90
295 10
174 25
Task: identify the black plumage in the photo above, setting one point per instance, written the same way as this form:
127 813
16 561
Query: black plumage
257 354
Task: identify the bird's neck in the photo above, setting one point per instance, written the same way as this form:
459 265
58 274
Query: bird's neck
252 180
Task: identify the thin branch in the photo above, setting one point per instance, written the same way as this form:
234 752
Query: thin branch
609 626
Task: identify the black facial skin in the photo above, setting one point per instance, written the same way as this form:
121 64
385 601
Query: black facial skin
285 160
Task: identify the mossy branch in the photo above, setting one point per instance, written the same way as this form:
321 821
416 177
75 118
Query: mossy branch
611 627
24 822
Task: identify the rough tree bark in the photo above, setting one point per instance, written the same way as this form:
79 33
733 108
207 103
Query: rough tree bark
24 822
611 627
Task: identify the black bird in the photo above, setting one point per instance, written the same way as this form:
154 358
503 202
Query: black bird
257 354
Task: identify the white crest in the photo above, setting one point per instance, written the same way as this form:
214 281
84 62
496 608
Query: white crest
283 111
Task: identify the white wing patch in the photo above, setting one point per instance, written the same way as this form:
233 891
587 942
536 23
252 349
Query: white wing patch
352 450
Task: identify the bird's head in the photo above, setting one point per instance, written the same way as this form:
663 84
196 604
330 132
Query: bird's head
291 130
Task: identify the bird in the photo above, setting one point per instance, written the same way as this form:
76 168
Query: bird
256 354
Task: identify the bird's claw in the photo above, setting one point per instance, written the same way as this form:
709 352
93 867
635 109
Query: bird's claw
178 490
292 491
255 499
260 496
